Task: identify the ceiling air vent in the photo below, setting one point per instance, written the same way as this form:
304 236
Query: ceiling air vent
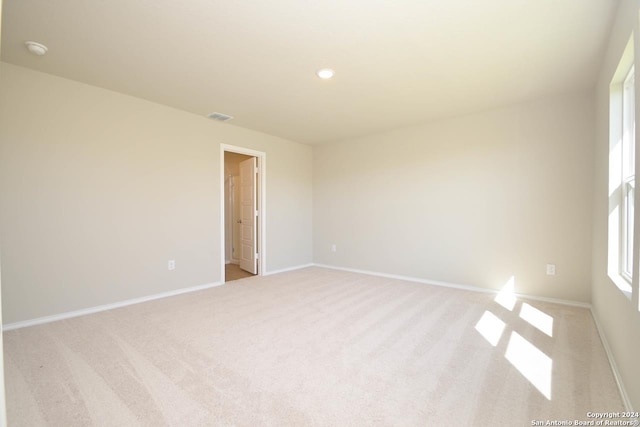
219 117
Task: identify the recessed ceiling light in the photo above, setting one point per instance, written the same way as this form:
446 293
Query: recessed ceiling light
36 48
325 73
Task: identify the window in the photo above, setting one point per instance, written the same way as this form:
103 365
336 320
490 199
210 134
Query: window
628 175
622 174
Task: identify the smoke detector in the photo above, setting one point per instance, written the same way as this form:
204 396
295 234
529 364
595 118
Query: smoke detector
219 117
36 48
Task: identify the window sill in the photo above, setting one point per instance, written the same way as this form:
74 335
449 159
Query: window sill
622 284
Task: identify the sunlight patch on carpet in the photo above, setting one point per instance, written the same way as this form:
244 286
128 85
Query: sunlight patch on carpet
537 318
532 363
490 327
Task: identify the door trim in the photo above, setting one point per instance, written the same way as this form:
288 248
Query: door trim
248 214
261 205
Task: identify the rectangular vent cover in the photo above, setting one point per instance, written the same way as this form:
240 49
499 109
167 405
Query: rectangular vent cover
219 117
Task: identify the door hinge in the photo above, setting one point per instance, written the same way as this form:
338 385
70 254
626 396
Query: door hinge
256 212
257 255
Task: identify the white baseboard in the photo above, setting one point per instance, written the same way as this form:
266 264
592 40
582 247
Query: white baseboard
614 368
455 285
97 309
91 310
284 270
555 300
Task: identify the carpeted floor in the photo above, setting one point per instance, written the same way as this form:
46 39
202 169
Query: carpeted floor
312 347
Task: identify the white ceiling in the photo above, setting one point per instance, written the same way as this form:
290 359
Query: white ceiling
397 62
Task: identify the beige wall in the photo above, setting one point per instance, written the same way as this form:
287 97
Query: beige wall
3 411
99 190
618 316
471 200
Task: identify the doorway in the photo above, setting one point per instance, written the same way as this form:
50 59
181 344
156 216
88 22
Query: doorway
242 202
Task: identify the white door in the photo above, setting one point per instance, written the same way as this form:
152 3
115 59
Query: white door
248 228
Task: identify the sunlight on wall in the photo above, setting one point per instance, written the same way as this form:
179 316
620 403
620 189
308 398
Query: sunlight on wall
531 362
490 327
506 297
537 318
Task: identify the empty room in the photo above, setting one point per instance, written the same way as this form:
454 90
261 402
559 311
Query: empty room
319 213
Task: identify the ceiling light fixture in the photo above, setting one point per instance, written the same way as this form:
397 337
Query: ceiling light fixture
325 73
36 48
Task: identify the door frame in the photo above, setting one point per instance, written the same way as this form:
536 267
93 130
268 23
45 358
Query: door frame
261 180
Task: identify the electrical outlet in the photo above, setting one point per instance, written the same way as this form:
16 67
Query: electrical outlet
334 248
172 264
551 269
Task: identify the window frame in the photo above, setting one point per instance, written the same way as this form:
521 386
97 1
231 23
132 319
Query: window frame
619 269
627 192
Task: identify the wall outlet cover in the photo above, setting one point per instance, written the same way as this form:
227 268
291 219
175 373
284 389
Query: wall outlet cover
551 269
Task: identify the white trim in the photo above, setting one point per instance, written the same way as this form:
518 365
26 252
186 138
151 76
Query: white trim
614 368
262 205
406 278
284 270
560 301
454 285
97 309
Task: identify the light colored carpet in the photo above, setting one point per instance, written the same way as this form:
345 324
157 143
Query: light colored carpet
312 347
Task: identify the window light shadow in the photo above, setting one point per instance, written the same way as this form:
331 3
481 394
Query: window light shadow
506 297
537 318
532 363
490 327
